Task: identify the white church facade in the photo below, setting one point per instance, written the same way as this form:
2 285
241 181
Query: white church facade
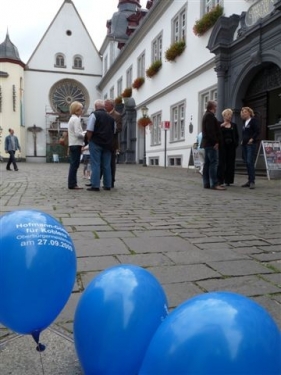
240 66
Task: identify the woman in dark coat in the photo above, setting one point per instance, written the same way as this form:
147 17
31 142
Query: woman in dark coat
227 151
250 133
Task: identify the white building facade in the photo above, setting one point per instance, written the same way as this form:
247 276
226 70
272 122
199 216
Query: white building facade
63 69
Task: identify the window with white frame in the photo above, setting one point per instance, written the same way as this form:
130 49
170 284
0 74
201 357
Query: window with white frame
59 61
205 96
154 161
210 4
112 52
157 48
156 130
175 161
77 62
105 64
111 92
177 131
119 86
129 76
179 26
141 65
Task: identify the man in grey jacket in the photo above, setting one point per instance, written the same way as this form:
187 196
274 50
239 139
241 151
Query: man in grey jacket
11 146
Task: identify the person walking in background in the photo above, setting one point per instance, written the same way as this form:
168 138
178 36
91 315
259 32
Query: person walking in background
210 142
201 152
75 142
11 146
109 107
86 162
250 133
227 152
100 131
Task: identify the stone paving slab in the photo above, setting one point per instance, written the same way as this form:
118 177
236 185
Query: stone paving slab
239 267
104 246
18 355
204 256
246 285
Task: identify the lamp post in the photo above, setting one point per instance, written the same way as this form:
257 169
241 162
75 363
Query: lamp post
144 111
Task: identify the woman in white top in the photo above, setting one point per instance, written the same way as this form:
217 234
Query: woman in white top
75 142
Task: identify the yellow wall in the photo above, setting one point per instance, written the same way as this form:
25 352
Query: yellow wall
10 116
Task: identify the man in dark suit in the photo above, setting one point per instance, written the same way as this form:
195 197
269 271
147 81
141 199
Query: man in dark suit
210 142
11 146
109 107
250 133
100 132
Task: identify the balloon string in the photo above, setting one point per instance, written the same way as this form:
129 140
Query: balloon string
41 360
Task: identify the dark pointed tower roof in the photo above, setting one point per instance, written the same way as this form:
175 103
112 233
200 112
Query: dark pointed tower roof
8 50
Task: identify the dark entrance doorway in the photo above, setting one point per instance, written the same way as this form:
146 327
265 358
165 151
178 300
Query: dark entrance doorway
262 97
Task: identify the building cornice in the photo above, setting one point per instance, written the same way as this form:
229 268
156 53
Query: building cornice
11 61
64 73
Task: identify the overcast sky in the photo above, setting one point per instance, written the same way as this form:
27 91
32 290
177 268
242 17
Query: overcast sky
27 20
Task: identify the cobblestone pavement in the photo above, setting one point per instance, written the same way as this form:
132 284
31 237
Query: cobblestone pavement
193 240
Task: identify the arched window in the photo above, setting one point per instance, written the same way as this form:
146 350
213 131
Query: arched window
60 60
77 62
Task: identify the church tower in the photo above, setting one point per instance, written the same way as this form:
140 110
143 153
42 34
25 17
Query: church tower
125 21
11 93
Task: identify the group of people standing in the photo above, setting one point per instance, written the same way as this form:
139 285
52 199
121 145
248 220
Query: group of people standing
103 127
220 141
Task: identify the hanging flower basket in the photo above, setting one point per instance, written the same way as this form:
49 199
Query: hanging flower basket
207 21
154 68
175 50
144 121
127 93
118 100
138 82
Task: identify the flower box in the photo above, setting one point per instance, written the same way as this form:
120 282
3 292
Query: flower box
154 68
138 82
207 21
127 93
175 50
144 121
118 100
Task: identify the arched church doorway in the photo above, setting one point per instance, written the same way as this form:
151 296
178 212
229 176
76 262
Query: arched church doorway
260 90
263 96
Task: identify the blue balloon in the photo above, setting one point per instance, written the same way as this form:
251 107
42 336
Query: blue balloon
215 334
116 318
37 270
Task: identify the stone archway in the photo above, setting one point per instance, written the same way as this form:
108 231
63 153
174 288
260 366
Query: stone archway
261 94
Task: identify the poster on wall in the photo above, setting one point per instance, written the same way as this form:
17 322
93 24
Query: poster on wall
271 152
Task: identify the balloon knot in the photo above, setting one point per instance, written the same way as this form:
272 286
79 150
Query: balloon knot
40 347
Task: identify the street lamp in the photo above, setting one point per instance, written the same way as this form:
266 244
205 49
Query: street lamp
144 111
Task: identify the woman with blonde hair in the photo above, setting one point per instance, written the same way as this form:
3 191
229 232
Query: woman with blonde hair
75 142
250 133
227 151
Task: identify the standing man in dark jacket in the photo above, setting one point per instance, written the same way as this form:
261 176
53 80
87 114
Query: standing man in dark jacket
250 134
100 132
109 107
210 142
11 146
